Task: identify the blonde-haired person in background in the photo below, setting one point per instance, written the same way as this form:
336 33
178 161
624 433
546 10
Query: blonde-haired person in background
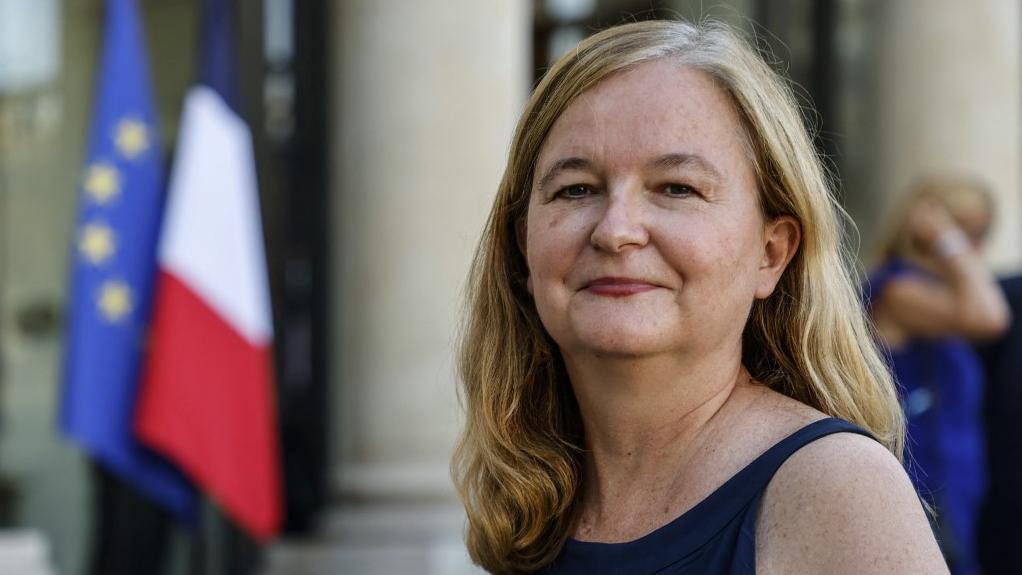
664 345
930 292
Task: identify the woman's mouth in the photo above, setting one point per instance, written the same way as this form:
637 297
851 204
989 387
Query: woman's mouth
618 286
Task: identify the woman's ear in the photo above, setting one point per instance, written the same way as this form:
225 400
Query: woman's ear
781 238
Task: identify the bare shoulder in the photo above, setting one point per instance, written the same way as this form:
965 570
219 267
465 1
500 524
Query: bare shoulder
844 504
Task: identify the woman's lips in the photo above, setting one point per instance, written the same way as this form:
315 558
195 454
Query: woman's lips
618 287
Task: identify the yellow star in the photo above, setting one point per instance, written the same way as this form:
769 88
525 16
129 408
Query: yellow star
115 300
132 138
97 243
102 182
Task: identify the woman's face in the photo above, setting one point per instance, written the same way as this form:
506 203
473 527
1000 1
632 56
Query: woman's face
644 233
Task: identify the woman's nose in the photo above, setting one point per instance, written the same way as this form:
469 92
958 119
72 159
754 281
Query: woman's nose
621 223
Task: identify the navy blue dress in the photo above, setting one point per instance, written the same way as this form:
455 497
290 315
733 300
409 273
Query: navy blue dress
717 536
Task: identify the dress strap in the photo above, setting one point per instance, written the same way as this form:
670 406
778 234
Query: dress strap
753 481
690 532
766 465
747 486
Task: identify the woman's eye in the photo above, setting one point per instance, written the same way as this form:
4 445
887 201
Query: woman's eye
679 190
574 192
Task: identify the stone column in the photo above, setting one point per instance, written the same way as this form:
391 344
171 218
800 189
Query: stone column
950 95
426 95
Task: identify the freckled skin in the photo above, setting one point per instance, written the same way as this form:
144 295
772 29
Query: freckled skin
703 251
667 413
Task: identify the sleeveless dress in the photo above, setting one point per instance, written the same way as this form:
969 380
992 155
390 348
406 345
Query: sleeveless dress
941 385
717 536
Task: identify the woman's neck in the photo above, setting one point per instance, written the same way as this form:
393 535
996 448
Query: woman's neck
643 420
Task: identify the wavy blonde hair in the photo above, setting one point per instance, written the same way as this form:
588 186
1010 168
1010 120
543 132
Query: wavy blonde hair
518 466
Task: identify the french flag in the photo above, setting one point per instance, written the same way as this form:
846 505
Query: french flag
207 395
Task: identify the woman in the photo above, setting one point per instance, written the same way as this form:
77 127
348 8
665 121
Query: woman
660 322
930 293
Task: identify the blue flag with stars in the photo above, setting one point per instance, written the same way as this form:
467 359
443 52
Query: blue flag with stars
114 266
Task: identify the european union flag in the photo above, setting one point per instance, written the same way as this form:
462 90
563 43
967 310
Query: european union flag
114 265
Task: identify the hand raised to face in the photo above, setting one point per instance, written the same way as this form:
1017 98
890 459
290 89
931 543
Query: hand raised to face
927 220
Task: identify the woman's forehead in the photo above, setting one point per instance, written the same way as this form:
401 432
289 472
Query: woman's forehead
650 110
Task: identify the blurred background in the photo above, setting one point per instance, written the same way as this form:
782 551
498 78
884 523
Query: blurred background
380 129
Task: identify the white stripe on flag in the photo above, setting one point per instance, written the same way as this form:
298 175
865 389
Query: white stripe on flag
212 235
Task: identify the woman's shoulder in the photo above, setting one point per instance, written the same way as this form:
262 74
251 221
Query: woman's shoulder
844 504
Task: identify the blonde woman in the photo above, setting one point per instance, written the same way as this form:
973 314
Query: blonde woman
665 365
930 293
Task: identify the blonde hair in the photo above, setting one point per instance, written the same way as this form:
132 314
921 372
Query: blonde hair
959 194
518 464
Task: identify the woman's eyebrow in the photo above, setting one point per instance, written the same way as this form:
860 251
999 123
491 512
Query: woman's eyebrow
680 160
564 165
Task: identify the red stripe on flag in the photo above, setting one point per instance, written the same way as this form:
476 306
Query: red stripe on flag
206 402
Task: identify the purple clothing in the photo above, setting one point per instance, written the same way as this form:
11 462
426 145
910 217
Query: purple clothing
941 385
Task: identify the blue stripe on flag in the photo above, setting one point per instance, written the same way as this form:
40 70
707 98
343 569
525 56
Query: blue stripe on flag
217 67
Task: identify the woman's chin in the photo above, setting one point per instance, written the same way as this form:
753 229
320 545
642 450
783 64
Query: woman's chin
624 343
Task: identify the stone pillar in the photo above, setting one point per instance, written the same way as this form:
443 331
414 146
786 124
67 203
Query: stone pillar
950 95
426 95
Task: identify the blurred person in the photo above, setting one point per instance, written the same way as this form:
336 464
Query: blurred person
930 293
666 366
999 529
